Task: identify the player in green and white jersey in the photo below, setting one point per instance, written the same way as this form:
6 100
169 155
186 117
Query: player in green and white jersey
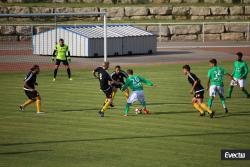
239 74
135 83
215 83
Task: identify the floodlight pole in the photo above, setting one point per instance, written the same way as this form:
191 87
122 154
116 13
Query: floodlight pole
105 36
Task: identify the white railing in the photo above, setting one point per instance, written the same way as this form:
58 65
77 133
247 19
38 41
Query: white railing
160 36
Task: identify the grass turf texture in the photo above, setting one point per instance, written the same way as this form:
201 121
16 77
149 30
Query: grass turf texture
72 134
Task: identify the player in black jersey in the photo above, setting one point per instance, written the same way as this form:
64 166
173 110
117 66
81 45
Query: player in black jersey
198 91
30 91
105 80
119 75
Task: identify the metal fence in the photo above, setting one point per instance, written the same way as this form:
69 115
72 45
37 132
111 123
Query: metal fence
54 25
240 32
242 29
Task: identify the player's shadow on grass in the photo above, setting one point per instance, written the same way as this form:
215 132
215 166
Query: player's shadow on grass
233 114
80 110
129 138
172 112
167 103
23 152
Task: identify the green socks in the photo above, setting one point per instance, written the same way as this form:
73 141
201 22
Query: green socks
222 101
245 92
144 104
127 108
230 90
210 102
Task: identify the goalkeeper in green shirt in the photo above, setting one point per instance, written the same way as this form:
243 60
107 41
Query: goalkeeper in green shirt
135 83
62 54
239 74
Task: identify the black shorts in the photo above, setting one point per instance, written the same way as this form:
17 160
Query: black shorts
116 86
108 92
31 94
199 95
65 62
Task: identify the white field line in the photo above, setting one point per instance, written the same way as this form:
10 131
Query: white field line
211 46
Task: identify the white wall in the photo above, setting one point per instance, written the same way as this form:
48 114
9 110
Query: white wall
44 43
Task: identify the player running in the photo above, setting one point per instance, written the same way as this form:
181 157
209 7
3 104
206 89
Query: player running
215 83
239 74
135 83
62 54
118 75
105 80
29 89
198 91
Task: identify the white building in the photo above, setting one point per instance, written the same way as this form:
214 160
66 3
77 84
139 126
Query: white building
87 40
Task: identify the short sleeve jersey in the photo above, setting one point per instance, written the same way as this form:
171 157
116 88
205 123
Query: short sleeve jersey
30 79
135 83
119 77
192 78
104 78
61 51
240 70
216 75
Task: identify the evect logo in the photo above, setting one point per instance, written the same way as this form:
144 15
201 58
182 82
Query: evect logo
235 154
238 155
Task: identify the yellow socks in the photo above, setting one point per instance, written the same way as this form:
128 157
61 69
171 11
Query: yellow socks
38 105
113 95
205 107
197 107
28 102
126 94
106 106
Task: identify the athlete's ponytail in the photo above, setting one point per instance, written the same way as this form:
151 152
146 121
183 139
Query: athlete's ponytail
34 67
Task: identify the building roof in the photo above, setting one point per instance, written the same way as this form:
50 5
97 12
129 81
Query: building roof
96 31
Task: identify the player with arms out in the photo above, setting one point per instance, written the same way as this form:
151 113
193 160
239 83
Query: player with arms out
239 74
62 54
30 91
118 75
198 91
105 80
135 83
215 83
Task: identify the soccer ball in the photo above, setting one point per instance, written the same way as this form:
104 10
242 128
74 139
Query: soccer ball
234 83
138 111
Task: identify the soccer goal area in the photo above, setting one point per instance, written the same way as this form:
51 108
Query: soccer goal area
86 34
37 34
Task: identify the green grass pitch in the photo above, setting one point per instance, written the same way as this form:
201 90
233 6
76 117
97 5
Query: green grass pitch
71 134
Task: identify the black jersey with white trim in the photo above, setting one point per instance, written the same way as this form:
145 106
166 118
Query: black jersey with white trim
30 80
104 78
119 77
192 78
